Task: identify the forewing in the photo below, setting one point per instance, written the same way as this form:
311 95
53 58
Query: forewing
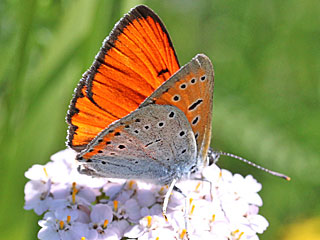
136 58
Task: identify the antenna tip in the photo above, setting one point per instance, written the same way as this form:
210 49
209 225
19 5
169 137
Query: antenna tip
283 176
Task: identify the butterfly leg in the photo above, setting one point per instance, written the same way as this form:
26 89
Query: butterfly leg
166 198
185 214
172 187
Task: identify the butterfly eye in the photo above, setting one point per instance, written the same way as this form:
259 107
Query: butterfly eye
193 168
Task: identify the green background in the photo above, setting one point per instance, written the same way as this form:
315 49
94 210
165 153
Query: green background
266 56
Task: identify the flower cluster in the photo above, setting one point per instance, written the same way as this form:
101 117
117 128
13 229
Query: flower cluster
75 206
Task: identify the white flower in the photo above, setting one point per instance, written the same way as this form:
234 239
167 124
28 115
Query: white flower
59 225
213 174
258 223
121 190
220 229
37 196
65 161
100 213
101 216
156 209
146 198
247 188
119 227
112 190
67 155
37 172
150 228
77 199
223 206
132 209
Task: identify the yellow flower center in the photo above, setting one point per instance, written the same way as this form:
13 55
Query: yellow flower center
183 233
115 205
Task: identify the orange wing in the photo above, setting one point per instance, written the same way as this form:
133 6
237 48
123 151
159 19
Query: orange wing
191 90
136 58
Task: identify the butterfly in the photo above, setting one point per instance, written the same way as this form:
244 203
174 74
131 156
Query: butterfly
135 113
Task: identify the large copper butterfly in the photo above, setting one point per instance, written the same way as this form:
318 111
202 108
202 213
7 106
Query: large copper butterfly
135 113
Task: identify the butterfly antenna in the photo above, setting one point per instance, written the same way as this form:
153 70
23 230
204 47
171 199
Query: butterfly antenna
215 155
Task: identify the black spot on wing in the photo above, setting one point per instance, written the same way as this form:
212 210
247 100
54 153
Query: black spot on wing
150 143
195 120
195 104
163 71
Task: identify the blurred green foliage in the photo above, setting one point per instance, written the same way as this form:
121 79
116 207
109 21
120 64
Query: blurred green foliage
266 56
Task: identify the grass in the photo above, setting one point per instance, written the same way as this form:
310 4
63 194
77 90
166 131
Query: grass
266 56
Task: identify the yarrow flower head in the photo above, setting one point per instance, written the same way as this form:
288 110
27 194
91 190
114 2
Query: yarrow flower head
76 206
